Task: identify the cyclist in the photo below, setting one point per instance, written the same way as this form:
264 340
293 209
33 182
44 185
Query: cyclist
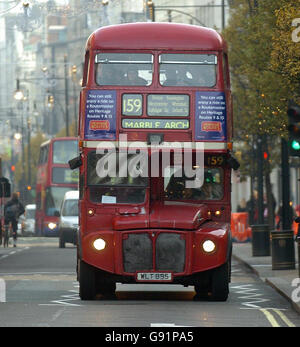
12 211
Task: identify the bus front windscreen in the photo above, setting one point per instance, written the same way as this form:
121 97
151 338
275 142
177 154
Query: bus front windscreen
54 198
211 189
116 178
70 208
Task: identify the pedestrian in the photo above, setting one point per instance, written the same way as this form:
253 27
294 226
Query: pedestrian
242 206
291 215
12 211
252 208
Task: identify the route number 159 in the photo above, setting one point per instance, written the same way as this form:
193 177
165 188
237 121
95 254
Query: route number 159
132 105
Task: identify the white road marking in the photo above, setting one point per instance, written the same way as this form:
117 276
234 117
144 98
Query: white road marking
14 252
2 290
58 314
36 273
249 294
66 300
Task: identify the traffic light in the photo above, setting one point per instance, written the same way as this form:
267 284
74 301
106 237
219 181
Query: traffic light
294 130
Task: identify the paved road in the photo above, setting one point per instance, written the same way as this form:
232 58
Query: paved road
41 290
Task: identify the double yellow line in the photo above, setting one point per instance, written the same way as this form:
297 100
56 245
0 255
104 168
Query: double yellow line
272 320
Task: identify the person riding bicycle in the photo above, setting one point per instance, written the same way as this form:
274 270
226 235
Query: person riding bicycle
12 211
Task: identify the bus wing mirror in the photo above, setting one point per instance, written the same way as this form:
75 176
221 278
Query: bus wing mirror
233 162
75 163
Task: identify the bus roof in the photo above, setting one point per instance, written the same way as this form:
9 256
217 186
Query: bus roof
163 36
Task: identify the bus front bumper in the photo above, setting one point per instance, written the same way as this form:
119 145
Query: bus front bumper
175 253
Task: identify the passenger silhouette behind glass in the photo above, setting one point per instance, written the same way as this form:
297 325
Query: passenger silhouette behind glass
171 76
182 76
134 79
177 189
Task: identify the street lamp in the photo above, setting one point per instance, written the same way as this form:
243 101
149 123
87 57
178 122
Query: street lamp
17 136
74 80
18 94
50 101
152 8
66 95
21 98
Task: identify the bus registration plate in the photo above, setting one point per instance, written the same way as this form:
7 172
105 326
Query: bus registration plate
154 276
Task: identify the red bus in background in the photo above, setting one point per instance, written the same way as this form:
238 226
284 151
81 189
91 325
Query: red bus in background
54 178
146 85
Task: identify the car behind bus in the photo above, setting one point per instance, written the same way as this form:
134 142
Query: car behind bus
68 223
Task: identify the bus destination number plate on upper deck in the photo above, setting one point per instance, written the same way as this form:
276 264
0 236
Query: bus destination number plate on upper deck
154 276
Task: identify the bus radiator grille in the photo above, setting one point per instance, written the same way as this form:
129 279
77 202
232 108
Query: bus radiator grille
137 253
170 252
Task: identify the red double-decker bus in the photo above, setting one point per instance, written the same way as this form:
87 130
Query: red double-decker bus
154 95
54 179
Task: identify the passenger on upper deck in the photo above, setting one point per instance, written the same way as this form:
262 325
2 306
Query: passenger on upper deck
171 76
107 74
204 76
133 78
177 76
182 76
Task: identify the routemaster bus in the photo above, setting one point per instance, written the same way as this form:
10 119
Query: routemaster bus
155 141
54 178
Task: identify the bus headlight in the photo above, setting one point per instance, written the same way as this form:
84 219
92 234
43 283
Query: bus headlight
99 244
52 225
208 246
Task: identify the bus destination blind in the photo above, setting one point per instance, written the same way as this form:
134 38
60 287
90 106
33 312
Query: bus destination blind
100 115
168 105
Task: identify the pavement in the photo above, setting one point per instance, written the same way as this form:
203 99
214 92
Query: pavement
285 282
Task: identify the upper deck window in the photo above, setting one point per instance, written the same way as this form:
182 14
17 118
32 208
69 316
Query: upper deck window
124 69
63 151
194 70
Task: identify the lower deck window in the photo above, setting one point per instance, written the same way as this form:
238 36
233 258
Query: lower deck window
212 188
117 195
